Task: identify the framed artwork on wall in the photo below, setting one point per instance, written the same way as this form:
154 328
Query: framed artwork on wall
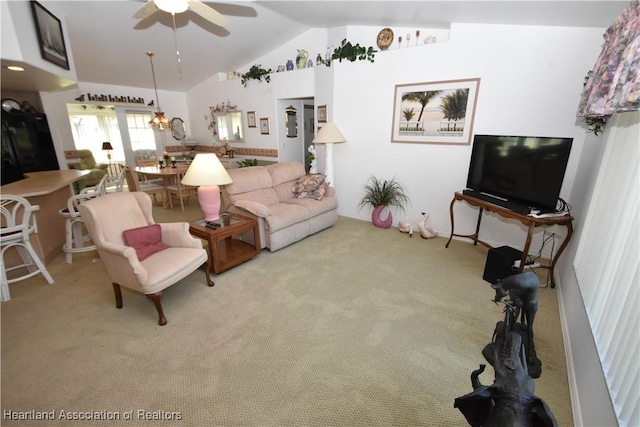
50 37
322 114
435 112
251 119
264 126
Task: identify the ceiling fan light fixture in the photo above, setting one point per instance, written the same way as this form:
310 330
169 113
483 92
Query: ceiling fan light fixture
172 6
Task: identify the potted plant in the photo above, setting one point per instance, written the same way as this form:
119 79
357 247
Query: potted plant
381 194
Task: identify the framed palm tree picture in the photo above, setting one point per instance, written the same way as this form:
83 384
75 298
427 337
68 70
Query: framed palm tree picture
435 112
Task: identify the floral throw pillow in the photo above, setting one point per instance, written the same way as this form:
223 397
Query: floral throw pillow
311 186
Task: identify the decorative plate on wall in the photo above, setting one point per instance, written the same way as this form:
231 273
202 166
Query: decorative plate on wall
385 38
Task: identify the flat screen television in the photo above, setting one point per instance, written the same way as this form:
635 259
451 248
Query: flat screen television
522 173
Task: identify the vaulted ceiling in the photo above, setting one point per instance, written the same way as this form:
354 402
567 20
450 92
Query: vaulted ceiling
109 46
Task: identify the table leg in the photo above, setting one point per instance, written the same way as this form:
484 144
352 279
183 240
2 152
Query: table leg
207 272
525 251
560 250
475 239
452 225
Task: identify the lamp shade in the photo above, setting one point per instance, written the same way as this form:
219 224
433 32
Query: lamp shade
329 134
107 146
207 172
206 169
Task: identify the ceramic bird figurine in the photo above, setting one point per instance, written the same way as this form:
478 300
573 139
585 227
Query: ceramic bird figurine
405 227
80 98
426 232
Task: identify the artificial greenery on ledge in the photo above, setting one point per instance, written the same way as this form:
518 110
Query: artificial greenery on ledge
351 52
594 124
256 72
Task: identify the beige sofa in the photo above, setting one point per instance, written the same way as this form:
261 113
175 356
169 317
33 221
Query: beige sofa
267 193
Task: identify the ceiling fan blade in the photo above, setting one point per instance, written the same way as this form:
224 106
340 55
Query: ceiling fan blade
146 10
207 13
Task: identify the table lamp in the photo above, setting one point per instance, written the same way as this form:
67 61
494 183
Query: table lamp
329 135
106 146
207 172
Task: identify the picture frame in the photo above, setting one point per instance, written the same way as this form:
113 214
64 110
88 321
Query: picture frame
50 36
439 112
322 114
264 126
251 119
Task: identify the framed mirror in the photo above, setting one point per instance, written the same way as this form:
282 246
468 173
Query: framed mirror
291 122
229 126
177 129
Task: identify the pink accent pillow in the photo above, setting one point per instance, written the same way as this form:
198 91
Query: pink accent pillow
145 240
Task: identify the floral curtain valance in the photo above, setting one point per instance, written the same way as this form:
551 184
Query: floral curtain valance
614 84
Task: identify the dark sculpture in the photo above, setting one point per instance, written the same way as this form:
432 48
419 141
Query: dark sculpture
522 290
510 401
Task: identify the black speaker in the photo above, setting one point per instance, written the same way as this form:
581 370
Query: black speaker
500 263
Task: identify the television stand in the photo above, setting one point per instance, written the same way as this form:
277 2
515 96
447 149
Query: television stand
527 220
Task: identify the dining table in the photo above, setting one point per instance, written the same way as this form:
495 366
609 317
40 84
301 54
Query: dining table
168 174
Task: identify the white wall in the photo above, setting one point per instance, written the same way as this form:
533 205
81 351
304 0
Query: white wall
531 79
174 104
260 97
9 37
20 41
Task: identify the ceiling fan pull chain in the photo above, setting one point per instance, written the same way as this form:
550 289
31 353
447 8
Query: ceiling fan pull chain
175 41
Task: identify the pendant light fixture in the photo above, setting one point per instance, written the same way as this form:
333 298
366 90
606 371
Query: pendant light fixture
159 122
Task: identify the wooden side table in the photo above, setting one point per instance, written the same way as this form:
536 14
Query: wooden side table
226 247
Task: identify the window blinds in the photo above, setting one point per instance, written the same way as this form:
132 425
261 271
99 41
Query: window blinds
607 265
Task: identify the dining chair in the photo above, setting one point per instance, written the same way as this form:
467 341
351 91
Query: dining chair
117 184
18 225
75 237
179 191
137 252
135 184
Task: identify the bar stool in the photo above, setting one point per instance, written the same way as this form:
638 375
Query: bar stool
74 225
18 223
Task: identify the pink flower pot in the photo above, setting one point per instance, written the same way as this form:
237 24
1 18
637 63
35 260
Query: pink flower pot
377 219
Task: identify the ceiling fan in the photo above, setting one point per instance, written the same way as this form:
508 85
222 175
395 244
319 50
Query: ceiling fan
179 6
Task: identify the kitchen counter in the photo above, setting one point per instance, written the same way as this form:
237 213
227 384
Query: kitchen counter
50 190
41 183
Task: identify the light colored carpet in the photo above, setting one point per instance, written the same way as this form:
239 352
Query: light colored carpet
354 326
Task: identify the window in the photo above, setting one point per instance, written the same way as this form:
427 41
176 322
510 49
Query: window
143 142
92 125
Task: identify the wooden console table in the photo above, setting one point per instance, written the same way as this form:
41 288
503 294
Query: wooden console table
529 221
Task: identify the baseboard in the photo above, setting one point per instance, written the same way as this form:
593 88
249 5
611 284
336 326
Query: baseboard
571 372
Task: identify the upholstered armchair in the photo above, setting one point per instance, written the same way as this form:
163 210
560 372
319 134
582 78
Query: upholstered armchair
138 253
88 162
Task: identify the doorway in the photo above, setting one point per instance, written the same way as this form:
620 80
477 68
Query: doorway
294 148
